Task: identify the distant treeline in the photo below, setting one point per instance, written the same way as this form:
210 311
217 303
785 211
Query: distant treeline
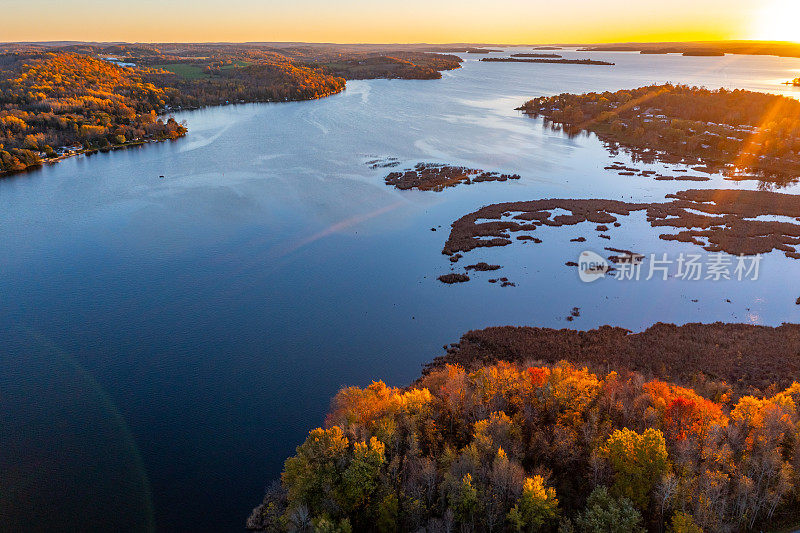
718 48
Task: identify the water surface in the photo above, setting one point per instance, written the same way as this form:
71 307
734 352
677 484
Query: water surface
166 343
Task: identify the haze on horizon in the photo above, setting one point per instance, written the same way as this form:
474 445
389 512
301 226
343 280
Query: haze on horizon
385 21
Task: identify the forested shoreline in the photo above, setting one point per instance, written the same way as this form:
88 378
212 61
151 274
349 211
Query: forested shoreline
53 105
748 359
742 134
533 445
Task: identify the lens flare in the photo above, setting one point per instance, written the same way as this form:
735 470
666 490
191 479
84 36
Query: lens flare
778 21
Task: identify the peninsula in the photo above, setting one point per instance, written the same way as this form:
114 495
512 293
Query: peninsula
742 134
510 431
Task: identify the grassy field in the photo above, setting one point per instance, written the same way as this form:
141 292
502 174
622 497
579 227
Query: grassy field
186 70
235 64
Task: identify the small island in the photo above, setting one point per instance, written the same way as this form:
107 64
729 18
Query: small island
543 56
437 177
624 170
541 60
453 278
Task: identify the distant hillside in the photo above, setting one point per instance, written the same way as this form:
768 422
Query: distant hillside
79 97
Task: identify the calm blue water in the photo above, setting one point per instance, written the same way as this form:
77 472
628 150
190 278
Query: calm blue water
166 343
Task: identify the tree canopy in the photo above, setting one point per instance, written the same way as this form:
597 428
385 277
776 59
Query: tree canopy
506 447
53 100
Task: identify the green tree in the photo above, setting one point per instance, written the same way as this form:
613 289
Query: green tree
330 477
464 500
326 525
312 476
388 511
606 514
361 476
536 507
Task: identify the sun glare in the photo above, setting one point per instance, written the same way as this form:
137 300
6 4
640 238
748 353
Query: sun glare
779 20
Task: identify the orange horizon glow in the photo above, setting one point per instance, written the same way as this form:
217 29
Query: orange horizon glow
411 21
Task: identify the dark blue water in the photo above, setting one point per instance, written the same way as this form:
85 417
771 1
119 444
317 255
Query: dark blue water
166 343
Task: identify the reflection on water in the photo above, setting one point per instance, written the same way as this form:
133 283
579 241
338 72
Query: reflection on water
206 318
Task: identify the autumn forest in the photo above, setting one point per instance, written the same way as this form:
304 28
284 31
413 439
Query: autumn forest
510 447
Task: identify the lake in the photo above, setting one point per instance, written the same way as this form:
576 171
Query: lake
168 342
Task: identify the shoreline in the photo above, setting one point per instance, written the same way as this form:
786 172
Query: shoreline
142 142
86 152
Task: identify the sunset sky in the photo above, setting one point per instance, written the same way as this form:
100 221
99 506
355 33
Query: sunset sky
382 21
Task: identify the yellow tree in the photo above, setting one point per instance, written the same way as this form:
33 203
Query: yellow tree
638 461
